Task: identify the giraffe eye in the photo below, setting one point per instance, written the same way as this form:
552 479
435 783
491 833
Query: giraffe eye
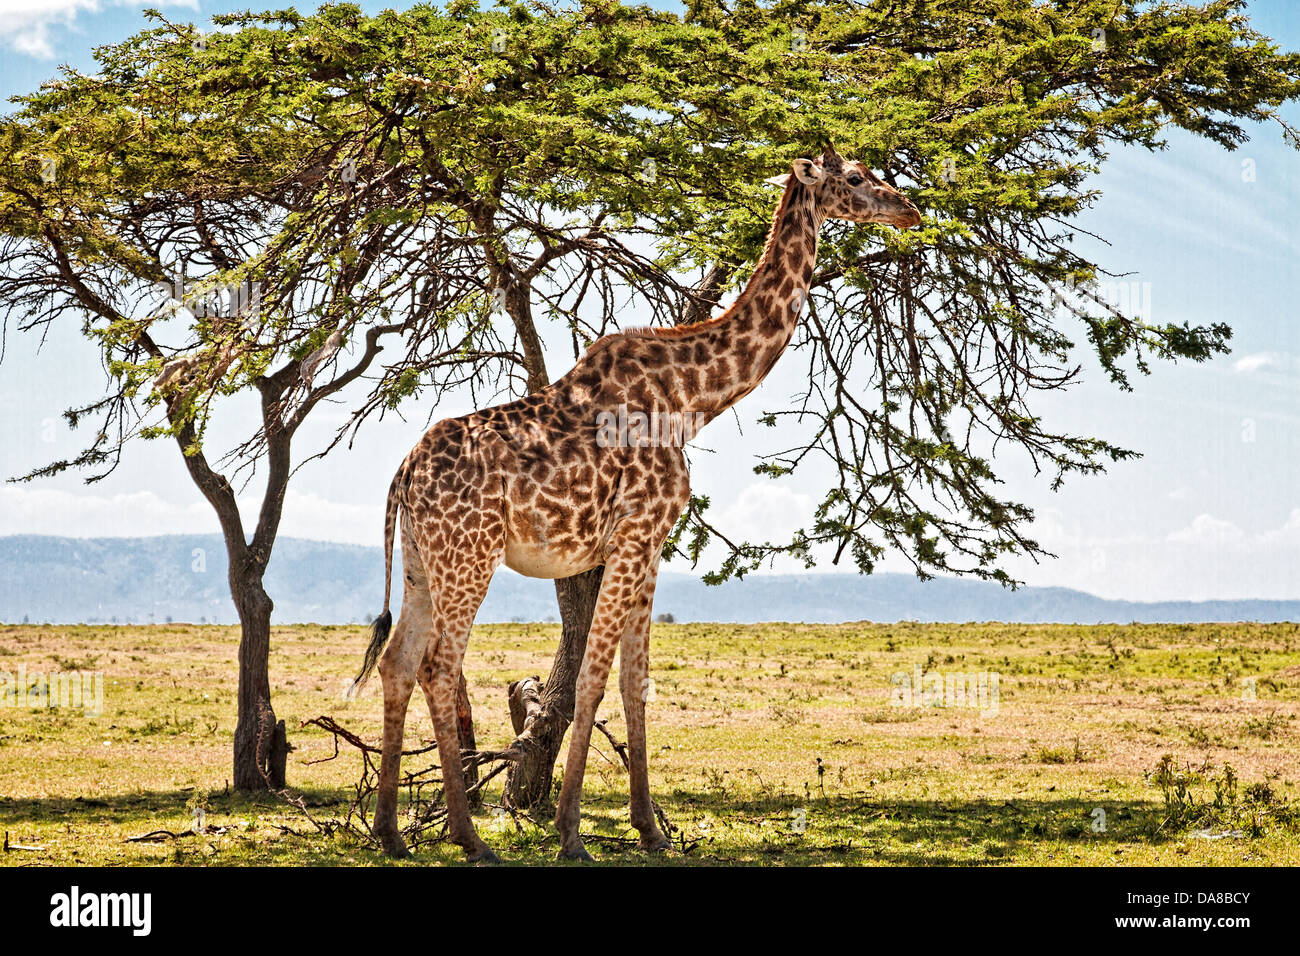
855 180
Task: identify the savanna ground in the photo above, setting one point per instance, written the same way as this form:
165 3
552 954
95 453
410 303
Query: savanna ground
769 744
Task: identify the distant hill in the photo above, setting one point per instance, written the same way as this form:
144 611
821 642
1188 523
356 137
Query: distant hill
183 578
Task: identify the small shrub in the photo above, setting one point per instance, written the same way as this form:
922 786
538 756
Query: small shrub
1223 804
1265 728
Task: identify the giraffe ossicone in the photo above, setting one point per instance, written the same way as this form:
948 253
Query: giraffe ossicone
529 484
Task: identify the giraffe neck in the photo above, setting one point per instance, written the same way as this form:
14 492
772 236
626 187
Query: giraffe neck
741 345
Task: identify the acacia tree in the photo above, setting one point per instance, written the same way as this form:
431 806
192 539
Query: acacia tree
926 351
213 243
572 160
237 212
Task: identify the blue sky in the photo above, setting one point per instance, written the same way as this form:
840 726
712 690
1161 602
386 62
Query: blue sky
1211 511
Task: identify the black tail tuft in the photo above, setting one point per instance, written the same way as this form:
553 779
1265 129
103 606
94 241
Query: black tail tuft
378 638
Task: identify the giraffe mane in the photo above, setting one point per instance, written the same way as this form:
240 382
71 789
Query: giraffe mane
692 328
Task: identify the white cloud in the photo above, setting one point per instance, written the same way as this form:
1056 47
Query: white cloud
25 24
26 509
1258 361
311 516
764 511
1208 559
1207 529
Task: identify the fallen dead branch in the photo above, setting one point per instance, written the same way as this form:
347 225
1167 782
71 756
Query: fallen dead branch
15 847
422 808
158 836
421 802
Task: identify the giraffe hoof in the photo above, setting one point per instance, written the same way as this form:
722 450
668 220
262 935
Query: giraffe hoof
577 854
483 856
655 843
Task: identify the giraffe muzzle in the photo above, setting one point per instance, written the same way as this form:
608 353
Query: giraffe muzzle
911 216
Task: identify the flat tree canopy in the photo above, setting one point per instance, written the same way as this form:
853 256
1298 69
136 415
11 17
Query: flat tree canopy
564 133
457 178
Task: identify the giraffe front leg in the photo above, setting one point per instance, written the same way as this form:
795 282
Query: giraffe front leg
460 592
634 681
625 572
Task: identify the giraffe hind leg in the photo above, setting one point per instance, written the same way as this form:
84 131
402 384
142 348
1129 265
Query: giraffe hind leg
460 568
400 664
440 677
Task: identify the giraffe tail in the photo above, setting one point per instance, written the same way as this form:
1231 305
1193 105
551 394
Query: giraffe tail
383 624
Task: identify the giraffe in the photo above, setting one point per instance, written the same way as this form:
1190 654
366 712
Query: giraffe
545 486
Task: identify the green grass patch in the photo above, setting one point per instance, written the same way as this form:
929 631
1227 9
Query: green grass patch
769 744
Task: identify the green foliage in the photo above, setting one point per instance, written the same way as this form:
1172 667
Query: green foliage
588 151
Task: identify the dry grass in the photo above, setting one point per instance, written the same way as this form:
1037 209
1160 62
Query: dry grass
769 743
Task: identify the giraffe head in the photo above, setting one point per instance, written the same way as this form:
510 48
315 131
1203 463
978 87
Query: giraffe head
844 189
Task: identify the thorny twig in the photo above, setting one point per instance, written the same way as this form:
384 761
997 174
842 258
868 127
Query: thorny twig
425 810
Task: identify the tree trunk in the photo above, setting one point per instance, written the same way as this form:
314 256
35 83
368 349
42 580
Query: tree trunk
465 722
545 722
540 724
260 746
542 717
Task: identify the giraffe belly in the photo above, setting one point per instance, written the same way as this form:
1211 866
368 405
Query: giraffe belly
538 561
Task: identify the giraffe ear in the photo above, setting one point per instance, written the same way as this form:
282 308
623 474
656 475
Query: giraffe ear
807 172
779 181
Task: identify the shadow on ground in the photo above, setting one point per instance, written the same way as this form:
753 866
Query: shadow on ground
713 828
